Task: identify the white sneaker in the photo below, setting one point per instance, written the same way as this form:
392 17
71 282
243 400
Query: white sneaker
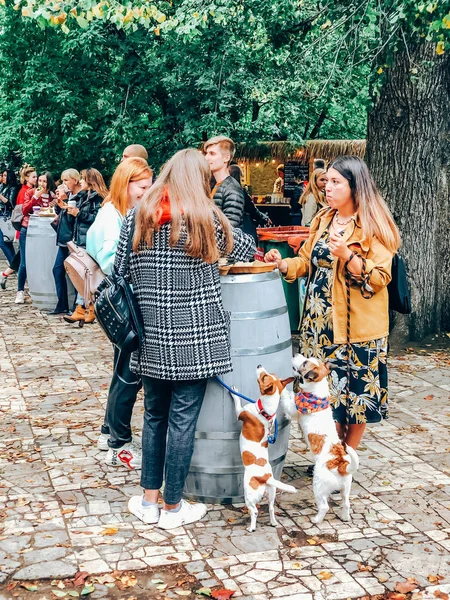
188 513
147 514
129 455
102 442
20 298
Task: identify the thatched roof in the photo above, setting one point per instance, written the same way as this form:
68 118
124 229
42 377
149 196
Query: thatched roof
281 151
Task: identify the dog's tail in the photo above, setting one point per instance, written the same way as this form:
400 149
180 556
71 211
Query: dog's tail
280 485
354 460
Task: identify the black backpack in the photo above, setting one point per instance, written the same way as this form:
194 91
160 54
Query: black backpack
117 310
398 288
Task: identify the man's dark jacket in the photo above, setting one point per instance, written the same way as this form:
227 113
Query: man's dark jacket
230 198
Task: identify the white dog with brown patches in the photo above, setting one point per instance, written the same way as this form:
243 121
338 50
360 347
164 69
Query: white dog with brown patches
334 463
257 423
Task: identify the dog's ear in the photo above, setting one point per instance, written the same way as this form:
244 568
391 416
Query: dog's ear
328 365
285 382
267 384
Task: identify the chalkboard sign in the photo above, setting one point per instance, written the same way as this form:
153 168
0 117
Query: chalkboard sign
294 170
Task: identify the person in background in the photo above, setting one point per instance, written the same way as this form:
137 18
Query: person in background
227 193
68 190
278 186
313 198
89 199
130 182
135 151
179 236
354 240
28 200
8 197
319 163
253 217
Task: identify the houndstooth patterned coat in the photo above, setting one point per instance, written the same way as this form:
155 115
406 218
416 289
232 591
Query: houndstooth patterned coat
186 327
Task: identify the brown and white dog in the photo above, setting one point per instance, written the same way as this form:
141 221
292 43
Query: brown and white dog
334 462
257 423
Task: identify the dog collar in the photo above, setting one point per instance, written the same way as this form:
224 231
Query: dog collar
308 403
262 412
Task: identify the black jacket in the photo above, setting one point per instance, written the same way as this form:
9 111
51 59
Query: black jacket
10 192
230 198
88 204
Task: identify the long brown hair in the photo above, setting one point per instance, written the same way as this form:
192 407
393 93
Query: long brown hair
130 169
313 189
185 181
373 212
94 180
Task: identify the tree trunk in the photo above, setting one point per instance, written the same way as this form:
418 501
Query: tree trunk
407 152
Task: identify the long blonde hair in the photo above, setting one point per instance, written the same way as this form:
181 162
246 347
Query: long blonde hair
373 212
185 182
94 180
313 189
130 169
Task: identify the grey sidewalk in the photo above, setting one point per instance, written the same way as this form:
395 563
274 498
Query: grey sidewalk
63 510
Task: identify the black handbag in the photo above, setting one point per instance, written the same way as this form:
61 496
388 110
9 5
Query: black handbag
398 288
117 310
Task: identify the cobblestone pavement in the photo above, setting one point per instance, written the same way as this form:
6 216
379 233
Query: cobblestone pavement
62 510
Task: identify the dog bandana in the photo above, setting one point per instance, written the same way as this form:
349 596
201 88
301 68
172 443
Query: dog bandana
308 403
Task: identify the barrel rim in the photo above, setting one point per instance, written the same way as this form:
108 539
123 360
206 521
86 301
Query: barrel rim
247 278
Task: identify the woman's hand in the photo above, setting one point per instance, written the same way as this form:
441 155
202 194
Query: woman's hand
338 247
3 199
61 203
273 256
38 192
73 211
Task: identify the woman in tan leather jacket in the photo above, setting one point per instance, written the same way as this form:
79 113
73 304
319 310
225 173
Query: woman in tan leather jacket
347 259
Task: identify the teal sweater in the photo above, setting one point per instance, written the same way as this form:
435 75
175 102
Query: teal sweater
103 237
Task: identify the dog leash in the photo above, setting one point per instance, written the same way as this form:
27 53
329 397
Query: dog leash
271 438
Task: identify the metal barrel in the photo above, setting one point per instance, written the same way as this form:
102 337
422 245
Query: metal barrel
260 335
40 254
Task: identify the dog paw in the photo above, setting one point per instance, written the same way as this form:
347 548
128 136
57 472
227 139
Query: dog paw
251 529
317 519
274 523
344 516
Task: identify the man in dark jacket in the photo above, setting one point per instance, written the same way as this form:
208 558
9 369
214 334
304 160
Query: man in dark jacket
227 194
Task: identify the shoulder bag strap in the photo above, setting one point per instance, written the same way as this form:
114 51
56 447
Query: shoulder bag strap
129 245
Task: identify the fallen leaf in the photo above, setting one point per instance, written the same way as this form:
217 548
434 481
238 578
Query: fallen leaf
362 567
204 592
324 575
109 531
161 587
441 595
105 579
429 397
405 586
73 593
80 578
222 594
182 592
128 580
297 565
59 593
155 581
312 542
88 589
435 578
396 596
31 587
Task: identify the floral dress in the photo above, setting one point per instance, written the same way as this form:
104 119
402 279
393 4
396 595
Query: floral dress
366 400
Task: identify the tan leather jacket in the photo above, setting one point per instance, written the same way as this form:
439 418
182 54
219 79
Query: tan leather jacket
369 317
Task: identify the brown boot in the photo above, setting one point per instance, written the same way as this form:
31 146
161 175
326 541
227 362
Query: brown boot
90 314
78 315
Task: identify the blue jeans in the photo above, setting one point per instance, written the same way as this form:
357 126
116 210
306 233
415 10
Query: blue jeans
59 275
171 413
8 248
22 275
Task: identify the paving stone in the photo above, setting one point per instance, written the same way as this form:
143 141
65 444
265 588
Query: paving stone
47 570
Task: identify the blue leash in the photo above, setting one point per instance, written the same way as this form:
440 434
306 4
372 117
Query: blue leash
271 438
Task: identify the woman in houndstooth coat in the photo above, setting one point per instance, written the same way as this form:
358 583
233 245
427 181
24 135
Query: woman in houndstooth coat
179 236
